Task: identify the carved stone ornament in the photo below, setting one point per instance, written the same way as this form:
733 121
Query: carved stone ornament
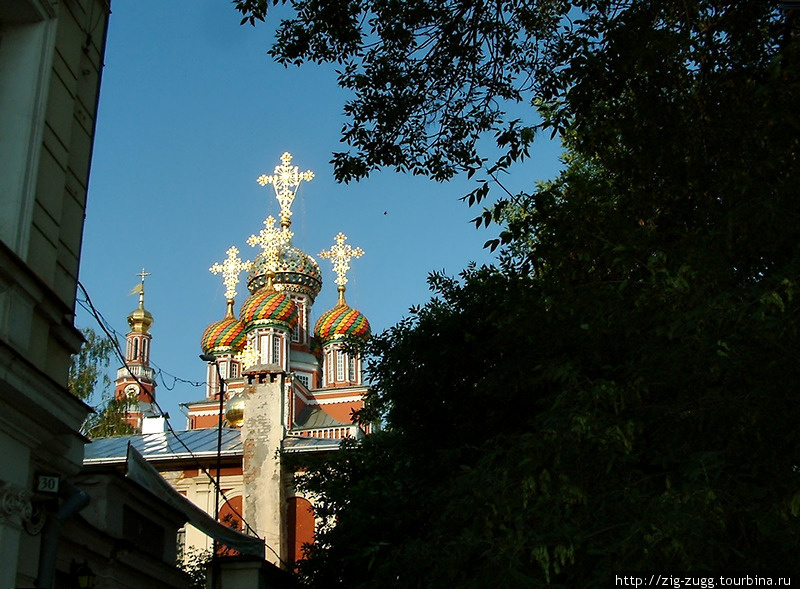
15 502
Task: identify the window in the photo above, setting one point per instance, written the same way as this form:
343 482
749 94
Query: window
263 349
298 331
304 378
276 349
339 364
213 384
181 544
234 369
351 369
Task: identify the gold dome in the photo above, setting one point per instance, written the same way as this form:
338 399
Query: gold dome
140 318
234 410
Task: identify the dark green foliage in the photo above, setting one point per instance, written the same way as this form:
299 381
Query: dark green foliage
619 393
89 381
534 437
195 564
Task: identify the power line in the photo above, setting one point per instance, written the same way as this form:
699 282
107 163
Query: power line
102 322
112 335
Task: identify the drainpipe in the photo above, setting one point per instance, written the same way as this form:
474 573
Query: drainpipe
76 499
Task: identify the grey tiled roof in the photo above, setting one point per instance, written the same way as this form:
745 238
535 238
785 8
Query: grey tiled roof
314 417
201 442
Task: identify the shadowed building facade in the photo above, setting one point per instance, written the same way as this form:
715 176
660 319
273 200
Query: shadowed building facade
51 57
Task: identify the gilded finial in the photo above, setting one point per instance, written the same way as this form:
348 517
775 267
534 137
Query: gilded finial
340 255
230 270
140 319
285 179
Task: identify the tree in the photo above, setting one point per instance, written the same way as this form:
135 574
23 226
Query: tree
431 78
618 392
196 563
617 418
89 381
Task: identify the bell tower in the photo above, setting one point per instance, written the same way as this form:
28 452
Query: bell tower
135 382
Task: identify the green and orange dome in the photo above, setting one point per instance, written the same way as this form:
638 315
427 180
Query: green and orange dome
268 307
223 337
342 323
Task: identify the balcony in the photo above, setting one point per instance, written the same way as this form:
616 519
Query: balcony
139 371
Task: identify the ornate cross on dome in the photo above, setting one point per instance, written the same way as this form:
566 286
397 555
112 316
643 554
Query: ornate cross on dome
286 179
271 239
340 255
139 288
230 270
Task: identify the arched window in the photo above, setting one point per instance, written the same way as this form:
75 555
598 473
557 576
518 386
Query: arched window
301 526
229 516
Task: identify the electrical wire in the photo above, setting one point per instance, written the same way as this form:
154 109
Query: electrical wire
112 335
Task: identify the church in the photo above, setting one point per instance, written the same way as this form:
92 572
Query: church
275 385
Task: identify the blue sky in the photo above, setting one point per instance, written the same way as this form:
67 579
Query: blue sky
192 110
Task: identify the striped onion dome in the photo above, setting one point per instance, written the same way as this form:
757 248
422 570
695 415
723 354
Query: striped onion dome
342 323
224 337
268 307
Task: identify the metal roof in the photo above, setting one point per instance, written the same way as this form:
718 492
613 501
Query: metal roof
306 444
162 445
314 418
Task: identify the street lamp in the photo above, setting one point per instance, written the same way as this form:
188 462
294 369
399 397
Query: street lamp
212 359
82 575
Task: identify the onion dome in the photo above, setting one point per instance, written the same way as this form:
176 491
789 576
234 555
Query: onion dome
268 307
140 318
234 410
224 337
342 323
296 271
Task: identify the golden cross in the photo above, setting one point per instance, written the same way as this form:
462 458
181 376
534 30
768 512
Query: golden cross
139 288
143 274
230 270
271 239
285 179
340 255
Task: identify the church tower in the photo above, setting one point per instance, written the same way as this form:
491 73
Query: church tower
225 339
277 384
343 329
135 382
287 385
